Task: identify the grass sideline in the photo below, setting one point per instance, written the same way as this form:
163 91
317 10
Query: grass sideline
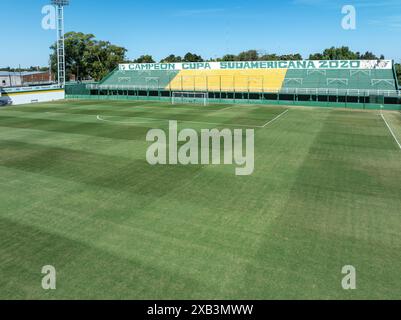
78 194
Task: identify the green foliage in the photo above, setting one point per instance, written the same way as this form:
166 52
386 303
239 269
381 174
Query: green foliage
286 57
343 53
144 59
87 57
254 55
191 57
369 56
171 58
102 58
229 57
250 55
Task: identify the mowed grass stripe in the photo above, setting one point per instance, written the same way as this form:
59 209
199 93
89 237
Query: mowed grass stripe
246 117
94 128
257 113
118 106
129 149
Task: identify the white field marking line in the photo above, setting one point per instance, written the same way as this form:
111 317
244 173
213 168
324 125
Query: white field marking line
185 107
197 122
123 122
173 108
391 131
224 109
276 118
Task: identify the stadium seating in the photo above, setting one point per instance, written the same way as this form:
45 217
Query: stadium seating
151 79
251 80
341 79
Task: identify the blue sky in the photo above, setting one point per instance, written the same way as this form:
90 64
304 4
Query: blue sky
209 28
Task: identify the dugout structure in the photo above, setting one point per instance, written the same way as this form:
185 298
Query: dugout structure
343 83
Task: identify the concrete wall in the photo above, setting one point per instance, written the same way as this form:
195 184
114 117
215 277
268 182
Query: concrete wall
26 95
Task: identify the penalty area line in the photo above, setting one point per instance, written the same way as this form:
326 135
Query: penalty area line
276 118
391 131
123 122
224 109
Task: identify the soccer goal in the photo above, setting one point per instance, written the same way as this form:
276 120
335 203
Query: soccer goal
190 97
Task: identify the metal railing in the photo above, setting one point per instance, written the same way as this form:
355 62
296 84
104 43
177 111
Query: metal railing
297 91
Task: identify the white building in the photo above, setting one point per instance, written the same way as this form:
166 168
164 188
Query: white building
10 79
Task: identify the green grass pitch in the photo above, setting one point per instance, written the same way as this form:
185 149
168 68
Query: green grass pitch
78 194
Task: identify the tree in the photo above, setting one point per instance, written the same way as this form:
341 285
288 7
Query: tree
171 59
340 53
370 56
343 53
367 56
191 57
229 57
76 44
87 57
269 57
145 59
250 55
288 57
101 57
317 56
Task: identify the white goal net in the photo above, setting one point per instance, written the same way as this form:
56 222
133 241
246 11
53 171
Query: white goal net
190 97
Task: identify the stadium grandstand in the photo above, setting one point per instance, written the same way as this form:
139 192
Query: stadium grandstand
359 83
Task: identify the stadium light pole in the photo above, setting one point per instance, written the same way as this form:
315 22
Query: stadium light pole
59 5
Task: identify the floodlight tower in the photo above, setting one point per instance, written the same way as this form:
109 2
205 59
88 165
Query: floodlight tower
59 5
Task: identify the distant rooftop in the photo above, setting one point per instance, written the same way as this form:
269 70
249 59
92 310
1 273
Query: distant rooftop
23 73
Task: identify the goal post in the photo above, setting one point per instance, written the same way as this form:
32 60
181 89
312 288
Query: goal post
190 97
